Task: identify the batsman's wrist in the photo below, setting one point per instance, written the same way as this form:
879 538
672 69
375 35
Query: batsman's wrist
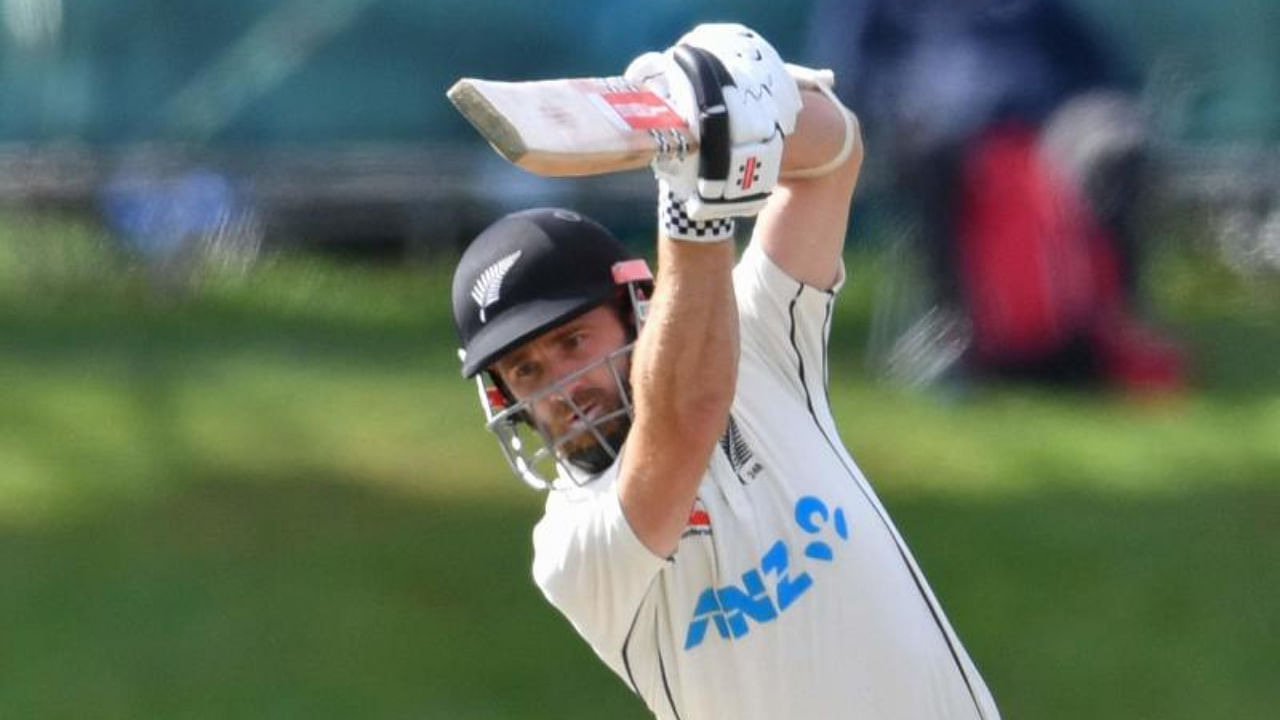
675 222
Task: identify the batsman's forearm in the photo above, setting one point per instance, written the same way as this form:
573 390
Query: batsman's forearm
802 228
819 135
687 355
684 371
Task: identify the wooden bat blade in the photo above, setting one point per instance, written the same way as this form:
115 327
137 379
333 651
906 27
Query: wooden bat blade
575 126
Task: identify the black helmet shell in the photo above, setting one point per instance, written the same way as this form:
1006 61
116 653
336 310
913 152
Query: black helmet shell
526 273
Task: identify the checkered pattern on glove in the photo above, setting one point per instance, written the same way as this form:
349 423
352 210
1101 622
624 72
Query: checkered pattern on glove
676 224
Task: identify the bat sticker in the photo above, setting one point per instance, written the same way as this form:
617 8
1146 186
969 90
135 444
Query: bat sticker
636 110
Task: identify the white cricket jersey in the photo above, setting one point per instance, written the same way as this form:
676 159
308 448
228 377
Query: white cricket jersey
791 594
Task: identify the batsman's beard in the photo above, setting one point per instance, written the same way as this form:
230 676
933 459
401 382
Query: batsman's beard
595 458
581 444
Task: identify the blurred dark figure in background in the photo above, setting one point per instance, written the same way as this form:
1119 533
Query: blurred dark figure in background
1018 141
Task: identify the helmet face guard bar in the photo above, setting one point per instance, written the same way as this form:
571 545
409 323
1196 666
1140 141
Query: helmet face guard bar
535 454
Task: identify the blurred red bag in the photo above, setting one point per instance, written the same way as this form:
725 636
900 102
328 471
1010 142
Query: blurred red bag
1035 269
1038 273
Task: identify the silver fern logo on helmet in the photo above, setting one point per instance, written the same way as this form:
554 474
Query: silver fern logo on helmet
488 287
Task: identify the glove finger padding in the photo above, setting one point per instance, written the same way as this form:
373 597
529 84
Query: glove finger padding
757 70
733 90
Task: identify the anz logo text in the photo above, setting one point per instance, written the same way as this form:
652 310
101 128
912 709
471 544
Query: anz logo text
728 609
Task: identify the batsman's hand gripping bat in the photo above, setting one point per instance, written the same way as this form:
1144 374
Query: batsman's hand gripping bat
583 126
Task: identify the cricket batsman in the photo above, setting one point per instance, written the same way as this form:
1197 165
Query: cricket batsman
706 531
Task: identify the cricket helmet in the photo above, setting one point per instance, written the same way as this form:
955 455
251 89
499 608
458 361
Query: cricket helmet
525 274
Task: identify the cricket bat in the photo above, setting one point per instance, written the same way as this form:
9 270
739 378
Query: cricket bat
583 126
573 126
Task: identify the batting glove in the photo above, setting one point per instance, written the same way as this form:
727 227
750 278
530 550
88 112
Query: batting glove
740 101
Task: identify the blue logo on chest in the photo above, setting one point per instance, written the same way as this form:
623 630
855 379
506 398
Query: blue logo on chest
729 608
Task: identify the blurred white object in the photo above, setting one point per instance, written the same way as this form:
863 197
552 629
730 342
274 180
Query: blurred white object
33 23
1092 139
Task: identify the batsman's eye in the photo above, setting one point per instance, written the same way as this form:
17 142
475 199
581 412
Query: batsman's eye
524 371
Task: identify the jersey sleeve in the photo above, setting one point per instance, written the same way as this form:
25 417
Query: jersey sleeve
590 565
784 323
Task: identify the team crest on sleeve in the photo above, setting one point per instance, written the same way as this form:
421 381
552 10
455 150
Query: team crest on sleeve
488 287
699 521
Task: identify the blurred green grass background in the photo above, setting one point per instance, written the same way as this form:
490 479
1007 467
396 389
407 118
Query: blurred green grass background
270 496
